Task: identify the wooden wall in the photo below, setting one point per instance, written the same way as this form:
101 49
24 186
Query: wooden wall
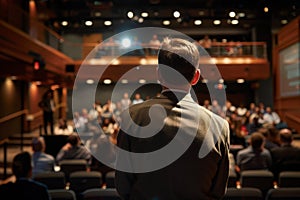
287 107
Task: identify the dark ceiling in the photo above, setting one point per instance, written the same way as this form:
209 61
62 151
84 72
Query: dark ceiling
76 12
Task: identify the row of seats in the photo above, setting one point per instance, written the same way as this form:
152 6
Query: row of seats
90 194
249 193
79 181
231 194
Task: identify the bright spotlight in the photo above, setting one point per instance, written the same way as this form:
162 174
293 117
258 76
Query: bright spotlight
130 14
126 42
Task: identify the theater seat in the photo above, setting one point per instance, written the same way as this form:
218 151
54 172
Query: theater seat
289 179
83 180
243 194
110 179
69 166
53 180
101 194
62 194
261 179
284 194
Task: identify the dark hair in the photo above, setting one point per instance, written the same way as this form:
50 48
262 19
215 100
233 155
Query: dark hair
257 140
38 144
73 139
21 165
180 55
286 136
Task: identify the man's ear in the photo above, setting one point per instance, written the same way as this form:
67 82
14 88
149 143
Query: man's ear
196 77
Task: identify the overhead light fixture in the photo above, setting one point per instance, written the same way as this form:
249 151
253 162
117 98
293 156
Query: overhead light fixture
88 23
97 14
124 81
130 14
197 22
141 20
126 42
217 22
176 14
64 23
179 20
107 81
90 81
284 21
166 22
235 22
144 14
240 80
142 81
266 9
232 14
107 23
241 14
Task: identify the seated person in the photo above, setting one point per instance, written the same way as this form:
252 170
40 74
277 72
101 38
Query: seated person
63 128
73 150
24 188
41 161
286 157
255 156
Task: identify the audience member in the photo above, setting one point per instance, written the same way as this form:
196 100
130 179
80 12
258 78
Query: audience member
137 99
206 43
73 150
41 161
255 156
271 137
270 117
125 101
80 123
187 177
286 157
154 44
24 188
63 128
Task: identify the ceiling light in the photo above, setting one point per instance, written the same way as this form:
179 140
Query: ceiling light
166 22
176 14
130 14
64 23
141 20
197 22
232 14
144 14
126 42
90 81
88 23
135 18
179 20
266 9
107 23
141 81
97 14
241 14
284 21
217 22
240 80
107 81
235 21
124 81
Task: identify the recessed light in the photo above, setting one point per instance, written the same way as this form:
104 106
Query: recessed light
284 21
97 14
217 22
107 81
235 22
64 23
130 14
144 14
241 14
240 80
141 81
176 14
141 20
166 22
107 23
90 81
266 9
88 23
197 22
124 81
232 14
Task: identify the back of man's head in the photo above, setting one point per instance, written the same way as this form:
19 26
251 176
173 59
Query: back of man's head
257 140
21 165
73 139
180 55
286 136
38 144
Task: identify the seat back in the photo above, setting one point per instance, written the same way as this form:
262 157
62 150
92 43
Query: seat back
289 179
243 194
110 179
83 180
232 179
53 180
103 194
69 166
261 179
62 194
284 194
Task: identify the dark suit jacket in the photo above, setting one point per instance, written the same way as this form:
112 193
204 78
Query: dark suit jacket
188 177
24 189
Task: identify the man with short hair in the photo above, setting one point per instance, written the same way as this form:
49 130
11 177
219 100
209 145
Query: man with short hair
24 188
190 175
